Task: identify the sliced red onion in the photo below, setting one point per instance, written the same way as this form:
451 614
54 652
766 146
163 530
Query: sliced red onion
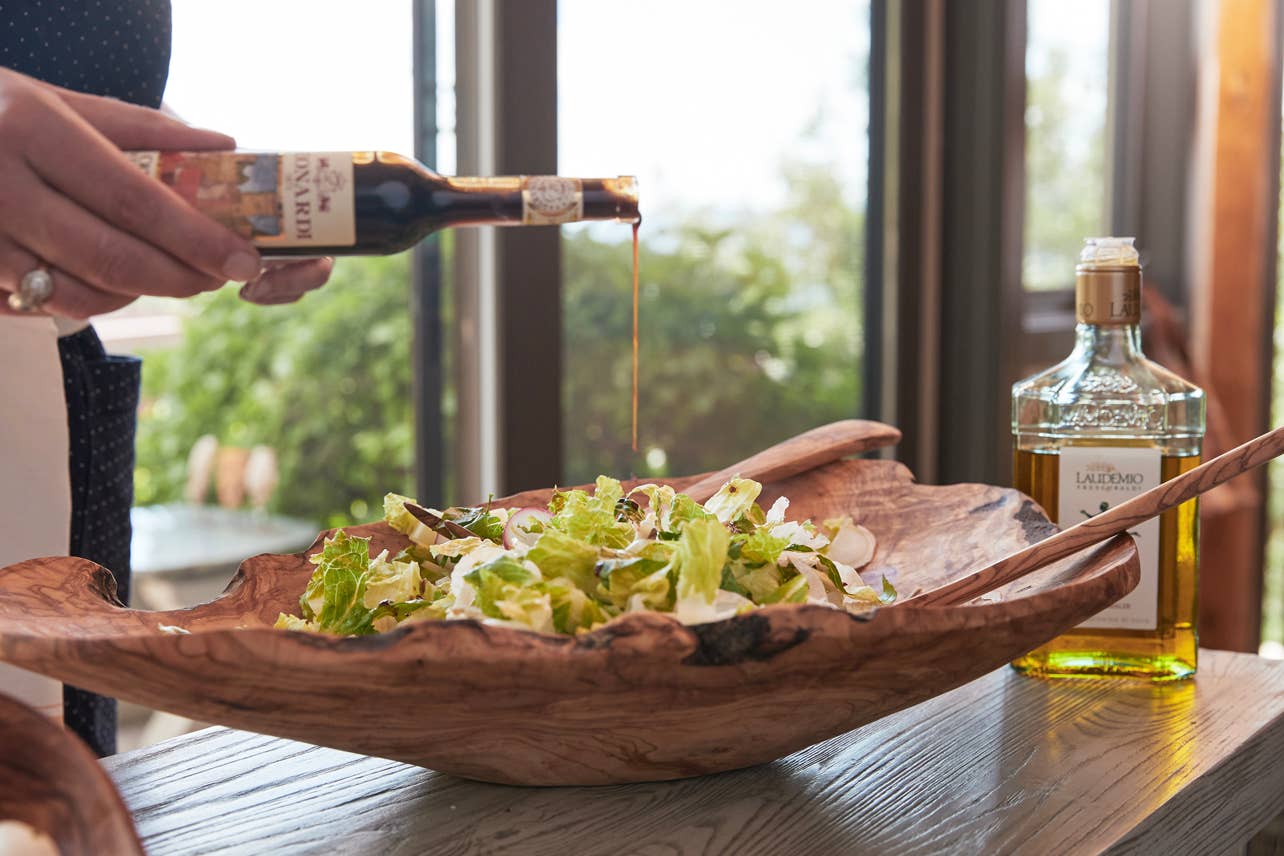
516 530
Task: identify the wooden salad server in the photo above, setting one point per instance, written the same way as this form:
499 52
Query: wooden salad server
1113 522
798 454
794 456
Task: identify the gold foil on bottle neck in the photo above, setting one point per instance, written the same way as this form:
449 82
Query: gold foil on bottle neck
1107 295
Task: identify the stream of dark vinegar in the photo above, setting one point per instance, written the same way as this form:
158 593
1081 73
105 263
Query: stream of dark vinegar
635 334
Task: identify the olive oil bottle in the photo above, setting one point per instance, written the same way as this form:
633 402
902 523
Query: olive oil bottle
1094 430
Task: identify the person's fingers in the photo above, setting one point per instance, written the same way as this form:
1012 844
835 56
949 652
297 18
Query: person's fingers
70 156
54 228
132 127
286 283
71 298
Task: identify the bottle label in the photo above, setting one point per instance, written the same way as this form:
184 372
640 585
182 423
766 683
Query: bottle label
549 199
1094 479
294 199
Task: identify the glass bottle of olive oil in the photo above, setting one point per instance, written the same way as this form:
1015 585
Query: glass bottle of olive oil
1096 429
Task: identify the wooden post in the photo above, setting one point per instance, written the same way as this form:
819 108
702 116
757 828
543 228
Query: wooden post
1236 195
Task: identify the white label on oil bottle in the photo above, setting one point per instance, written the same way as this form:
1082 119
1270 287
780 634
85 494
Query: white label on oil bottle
1093 479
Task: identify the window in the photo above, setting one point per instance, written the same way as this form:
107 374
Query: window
749 135
1067 63
325 383
1273 583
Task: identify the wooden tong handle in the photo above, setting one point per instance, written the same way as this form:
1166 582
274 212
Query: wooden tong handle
1121 518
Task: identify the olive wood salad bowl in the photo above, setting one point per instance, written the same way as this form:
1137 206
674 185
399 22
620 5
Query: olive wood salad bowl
51 782
642 698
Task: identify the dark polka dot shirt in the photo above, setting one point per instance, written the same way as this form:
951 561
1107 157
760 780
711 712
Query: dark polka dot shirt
118 48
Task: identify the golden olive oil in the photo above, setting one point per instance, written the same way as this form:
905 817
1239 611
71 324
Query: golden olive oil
1169 651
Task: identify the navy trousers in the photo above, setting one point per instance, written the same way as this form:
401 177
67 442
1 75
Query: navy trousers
102 410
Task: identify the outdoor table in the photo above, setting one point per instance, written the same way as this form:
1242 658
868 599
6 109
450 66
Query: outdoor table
185 554
1005 764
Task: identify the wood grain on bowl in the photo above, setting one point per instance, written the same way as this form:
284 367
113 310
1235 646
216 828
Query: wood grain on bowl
50 781
642 698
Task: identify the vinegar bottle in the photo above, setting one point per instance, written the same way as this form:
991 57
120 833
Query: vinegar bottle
370 203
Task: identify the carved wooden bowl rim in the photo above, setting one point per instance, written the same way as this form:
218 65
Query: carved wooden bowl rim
99 585
58 787
233 667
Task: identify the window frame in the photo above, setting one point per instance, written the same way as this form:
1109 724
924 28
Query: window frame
506 283
943 291
426 295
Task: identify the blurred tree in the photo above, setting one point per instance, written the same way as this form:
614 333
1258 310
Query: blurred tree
749 334
1065 183
326 382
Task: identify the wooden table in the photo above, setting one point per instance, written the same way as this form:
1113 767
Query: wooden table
1002 765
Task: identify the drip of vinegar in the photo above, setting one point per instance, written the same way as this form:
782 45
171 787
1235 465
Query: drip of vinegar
636 224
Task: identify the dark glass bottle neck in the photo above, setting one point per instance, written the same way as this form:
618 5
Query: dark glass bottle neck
507 200
398 201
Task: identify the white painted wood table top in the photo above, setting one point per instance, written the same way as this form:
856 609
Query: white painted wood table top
1002 765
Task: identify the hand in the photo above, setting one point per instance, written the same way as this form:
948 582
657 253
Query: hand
72 202
286 282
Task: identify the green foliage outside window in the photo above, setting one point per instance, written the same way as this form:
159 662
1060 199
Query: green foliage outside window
748 335
326 382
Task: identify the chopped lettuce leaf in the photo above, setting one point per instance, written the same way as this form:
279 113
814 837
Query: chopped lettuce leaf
495 579
731 584
558 554
728 603
793 590
396 516
760 582
422 556
455 548
293 622
826 564
660 505
686 509
600 555
573 610
776 514
808 566
798 535
504 591
394 582
339 584
635 583
592 518
608 491
888 594
733 500
479 521
701 552
761 547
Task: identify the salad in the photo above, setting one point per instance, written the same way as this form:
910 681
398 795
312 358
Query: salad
588 558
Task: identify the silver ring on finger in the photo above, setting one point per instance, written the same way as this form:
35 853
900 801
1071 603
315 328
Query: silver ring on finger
34 290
